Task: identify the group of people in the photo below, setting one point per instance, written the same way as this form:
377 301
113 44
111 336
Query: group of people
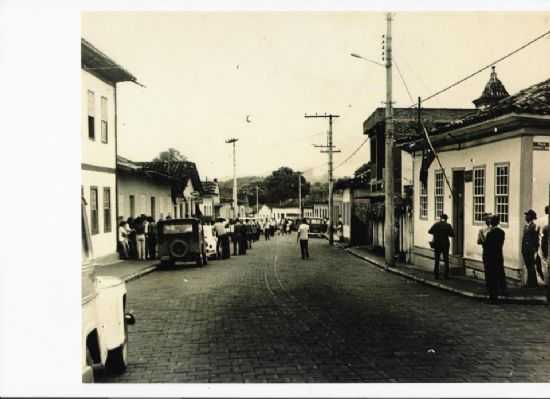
137 238
491 238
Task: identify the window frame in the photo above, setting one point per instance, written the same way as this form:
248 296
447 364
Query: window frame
107 211
153 207
91 115
132 205
484 169
94 227
423 194
104 119
442 174
495 196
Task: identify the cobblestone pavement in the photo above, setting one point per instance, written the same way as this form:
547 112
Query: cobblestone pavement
271 317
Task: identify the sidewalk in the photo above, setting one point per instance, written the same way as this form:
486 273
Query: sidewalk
127 270
461 285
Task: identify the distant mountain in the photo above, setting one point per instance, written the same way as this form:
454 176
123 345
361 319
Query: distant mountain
226 186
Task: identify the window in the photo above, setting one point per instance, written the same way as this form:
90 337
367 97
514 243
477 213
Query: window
438 193
479 194
93 210
175 211
502 185
132 206
104 115
107 209
153 208
91 115
423 201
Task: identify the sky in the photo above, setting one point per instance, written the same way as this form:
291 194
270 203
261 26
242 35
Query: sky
204 72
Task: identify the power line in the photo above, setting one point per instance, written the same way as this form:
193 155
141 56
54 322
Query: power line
483 68
403 80
353 153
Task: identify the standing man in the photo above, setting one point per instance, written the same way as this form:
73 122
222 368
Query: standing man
530 246
441 232
221 233
303 239
495 276
481 236
546 249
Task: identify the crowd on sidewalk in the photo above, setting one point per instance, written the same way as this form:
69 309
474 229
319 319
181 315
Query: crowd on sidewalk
535 250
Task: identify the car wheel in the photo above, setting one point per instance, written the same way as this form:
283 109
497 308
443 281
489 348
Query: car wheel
117 359
199 260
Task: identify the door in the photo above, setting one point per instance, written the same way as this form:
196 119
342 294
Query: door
458 212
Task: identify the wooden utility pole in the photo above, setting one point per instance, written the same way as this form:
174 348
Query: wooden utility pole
389 229
329 150
257 203
300 194
235 204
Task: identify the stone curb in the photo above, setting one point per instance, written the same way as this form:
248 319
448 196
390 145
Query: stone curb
518 299
140 273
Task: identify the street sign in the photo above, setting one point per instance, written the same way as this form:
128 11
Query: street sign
541 146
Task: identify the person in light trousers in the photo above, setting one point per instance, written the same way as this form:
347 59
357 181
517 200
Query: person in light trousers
303 239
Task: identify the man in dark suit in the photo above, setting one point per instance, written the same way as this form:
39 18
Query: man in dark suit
494 241
441 232
530 246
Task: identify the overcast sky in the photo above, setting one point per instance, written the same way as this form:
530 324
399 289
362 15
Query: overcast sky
205 72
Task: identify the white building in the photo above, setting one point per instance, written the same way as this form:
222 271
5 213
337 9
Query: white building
99 78
141 191
210 199
280 213
320 210
495 160
265 213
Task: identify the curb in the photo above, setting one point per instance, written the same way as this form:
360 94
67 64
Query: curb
540 300
140 273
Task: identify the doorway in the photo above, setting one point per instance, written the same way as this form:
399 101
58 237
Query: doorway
458 212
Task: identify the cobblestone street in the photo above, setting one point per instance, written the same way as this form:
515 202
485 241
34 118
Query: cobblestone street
271 317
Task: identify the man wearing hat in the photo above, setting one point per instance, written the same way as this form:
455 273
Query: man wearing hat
530 246
441 232
481 239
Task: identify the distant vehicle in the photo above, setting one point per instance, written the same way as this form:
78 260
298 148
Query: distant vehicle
181 240
104 317
317 227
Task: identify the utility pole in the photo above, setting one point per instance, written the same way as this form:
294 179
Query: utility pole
300 194
257 203
389 231
233 140
329 150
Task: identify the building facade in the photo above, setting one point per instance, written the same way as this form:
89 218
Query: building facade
99 77
495 160
209 205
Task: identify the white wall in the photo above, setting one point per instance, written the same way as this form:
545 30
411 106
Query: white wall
94 151
541 180
406 170
488 155
143 189
104 244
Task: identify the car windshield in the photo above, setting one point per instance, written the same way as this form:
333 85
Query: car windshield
177 228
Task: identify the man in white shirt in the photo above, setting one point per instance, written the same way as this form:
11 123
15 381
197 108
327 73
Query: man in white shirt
303 239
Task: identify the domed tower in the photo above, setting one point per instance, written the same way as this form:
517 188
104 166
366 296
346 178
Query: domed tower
494 92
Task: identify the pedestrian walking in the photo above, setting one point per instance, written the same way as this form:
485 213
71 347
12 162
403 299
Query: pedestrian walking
132 243
140 238
303 239
530 246
221 233
441 232
481 237
495 276
123 240
242 237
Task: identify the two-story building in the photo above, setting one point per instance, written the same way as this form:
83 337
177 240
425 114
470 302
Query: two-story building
406 128
496 160
99 77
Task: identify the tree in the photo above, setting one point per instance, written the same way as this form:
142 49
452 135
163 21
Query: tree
172 155
282 185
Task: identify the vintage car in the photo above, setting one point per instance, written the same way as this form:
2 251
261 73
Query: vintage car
317 227
104 317
181 240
